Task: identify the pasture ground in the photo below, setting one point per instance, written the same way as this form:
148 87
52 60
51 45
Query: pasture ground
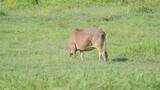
33 57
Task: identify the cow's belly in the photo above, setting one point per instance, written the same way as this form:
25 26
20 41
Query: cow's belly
86 48
84 44
89 48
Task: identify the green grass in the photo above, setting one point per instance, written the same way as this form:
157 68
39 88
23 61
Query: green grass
33 57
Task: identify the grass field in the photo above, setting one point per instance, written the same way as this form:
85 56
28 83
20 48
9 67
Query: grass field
33 57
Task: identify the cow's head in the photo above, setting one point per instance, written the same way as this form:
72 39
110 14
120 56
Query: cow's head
69 51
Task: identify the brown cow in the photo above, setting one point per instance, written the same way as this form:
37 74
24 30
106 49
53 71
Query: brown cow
87 39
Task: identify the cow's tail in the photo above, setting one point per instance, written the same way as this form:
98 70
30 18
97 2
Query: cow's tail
103 37
104 44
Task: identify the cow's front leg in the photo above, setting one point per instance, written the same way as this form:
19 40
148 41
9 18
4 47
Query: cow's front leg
81 55
74 53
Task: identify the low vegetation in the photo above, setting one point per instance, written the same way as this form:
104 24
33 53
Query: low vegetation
33 39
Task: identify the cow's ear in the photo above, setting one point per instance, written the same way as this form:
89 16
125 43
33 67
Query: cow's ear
77 29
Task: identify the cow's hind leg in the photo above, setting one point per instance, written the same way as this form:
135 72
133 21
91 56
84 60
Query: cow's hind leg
104 55
100 54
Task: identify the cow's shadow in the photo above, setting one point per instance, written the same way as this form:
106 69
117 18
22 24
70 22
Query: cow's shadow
120 59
